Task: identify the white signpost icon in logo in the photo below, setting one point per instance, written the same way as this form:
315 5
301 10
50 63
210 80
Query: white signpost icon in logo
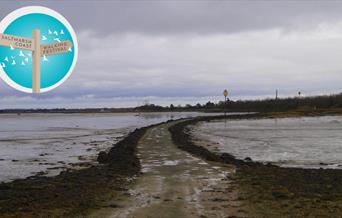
37 50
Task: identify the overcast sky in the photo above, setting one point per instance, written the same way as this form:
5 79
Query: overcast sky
189 51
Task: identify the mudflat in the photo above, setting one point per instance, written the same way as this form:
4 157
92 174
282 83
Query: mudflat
74 193
266 190
158 171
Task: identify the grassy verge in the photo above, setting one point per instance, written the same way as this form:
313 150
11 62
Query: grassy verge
271 191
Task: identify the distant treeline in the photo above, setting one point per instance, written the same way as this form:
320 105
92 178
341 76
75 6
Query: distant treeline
265 105
285 104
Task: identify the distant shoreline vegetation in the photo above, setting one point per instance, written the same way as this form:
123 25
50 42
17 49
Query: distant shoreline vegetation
324 102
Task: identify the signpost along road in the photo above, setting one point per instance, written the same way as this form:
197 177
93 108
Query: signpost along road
38 51
225 93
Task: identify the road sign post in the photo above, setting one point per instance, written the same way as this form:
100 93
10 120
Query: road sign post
225 94
38 51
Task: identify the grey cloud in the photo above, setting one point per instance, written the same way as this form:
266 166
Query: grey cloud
177 17
173 49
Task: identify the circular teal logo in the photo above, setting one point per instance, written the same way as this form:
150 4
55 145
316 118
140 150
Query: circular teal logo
38 49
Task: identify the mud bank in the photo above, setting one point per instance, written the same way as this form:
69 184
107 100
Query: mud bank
74 192
268 190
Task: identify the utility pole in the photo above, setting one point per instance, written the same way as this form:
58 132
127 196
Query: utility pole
276 97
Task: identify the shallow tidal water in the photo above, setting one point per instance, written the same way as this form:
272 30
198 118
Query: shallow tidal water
306 142
49 143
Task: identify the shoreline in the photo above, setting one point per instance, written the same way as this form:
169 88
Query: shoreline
71 111
264 190
75 192
268 190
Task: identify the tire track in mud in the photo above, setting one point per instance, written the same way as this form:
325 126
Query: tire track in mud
173 183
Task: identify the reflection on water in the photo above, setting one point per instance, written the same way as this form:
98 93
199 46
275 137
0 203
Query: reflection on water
49 143
296 142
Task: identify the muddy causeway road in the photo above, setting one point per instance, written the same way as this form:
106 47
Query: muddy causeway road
174 183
